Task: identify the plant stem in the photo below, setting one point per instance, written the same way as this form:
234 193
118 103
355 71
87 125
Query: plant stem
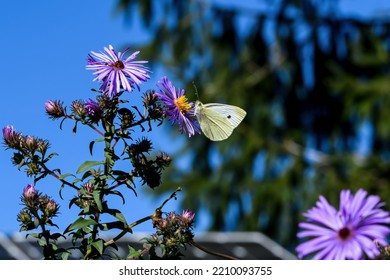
211 252
57 176
126 230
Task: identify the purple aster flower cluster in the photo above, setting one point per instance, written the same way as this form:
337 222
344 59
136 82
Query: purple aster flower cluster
177 108
115 72
348 233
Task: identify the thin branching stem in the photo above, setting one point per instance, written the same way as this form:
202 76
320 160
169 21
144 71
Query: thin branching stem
193 243
57 176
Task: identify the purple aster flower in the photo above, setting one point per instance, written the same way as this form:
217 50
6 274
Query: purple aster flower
348 233
94 111
115 72
177 108
187 217
8 133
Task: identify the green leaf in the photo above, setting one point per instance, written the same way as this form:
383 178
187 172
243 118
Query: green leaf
111 225
96 197
63 176
56 235
118 194
118 215
75 127
86 175
87 165
75 181
93 143
65 255
80 223
72 201
98 245
21 163
34 235
62 121
133 253
50 156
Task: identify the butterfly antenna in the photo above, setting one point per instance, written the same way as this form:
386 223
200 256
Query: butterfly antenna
196 90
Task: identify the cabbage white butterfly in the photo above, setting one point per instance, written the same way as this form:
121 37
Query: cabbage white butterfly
217 121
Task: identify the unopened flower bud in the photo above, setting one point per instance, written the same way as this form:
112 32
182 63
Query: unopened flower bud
78 109
150 98
12 138
51 208
89 188
171 242
8 133
163 160
160 223
172 218
30 196
33 169
187 218
187 236
94 111
24 217
17 158
54 109
31 143
126 117
151 176
156 113
42 146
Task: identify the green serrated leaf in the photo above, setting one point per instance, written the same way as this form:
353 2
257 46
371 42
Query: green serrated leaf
86 165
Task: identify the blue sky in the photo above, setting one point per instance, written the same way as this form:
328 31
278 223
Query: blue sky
44 45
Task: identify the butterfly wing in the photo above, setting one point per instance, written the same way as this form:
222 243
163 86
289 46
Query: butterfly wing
217 121
234 114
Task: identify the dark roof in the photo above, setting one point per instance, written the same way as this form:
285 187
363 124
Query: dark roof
242 245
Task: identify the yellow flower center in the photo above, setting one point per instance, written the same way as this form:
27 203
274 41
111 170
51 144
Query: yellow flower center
182 104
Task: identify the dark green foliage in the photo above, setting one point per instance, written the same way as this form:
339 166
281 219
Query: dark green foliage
308 81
